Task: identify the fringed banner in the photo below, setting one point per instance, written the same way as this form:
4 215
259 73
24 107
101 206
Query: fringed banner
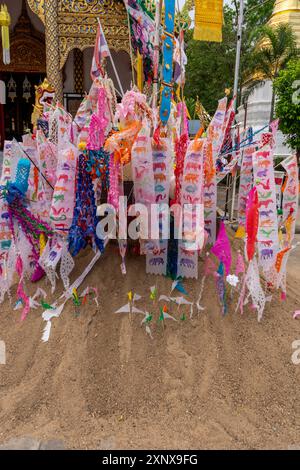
216 129
5 232
246 183
157 260
142 168
208 20
290 197
61 213
215 135
290 209
193 211
267 237
210 193
229 167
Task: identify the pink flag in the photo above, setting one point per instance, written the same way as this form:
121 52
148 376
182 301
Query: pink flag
222 249
100 52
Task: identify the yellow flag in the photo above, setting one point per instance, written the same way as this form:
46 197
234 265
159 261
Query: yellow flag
140 72
5 23
208 20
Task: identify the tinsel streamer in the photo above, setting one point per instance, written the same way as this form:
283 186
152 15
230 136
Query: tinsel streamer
114 171
36 181
222 248
221 289
98 166
181 146
98 124
252 218
85 220
20 290
32 226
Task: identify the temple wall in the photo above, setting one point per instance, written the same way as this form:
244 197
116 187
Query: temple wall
122 59
15 8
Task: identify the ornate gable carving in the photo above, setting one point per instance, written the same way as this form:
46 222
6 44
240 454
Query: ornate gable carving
77 24
27 48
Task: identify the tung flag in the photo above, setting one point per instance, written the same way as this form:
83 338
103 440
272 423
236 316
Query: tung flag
100 52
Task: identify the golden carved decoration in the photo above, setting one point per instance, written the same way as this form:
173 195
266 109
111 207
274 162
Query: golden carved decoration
78 71
44 94
77 24
38 7
27 48
54 73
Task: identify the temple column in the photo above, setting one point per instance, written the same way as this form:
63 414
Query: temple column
54 74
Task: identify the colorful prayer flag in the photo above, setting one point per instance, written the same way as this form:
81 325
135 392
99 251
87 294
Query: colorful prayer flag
101 51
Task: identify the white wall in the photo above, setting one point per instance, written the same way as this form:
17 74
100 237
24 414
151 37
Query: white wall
121 59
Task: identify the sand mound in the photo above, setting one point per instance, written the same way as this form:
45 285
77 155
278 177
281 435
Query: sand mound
100 382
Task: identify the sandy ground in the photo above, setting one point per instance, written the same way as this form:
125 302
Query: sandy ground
102 383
